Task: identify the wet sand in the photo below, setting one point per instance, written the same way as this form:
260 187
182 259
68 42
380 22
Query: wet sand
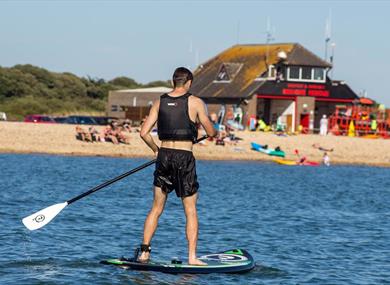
16 137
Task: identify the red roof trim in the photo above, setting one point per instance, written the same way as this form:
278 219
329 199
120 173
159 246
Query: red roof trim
335 100
281 97
264 96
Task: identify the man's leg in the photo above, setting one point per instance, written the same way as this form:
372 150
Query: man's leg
151 221
189 204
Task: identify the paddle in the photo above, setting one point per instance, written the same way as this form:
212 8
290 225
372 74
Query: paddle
44 216
299 157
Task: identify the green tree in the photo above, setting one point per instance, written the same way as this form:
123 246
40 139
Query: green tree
125 82
159 83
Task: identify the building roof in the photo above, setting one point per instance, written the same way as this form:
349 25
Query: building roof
243 64
303 57
160 89
341 90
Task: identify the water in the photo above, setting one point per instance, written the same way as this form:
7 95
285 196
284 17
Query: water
303 225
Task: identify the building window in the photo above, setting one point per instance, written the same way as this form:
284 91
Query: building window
114 108
294 72
222 75
227 72
319 74
306 73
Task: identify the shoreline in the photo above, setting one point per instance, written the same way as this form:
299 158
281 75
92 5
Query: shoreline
58 139
198 158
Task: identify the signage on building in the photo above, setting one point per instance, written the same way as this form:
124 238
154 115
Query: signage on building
303 89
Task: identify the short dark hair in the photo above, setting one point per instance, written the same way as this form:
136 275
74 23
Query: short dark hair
181 76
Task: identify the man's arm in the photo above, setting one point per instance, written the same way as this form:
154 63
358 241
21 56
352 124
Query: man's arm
148 125
204 118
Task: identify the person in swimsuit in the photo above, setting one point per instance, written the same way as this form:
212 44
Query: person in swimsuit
176 114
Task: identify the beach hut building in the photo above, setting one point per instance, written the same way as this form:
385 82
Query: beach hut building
283 84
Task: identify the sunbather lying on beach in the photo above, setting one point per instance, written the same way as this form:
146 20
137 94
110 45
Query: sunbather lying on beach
115 134
110 135
82 135
317 146
95 136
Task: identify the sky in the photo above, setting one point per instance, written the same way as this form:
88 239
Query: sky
147 40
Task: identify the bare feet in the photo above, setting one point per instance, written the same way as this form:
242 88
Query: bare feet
195 261
144 257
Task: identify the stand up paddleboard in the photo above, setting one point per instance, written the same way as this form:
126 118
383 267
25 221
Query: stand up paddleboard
230 261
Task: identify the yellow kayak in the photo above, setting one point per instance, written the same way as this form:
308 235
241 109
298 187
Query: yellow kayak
285 161
370 137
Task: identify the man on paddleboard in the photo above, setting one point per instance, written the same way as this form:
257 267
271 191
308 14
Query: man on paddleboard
176 114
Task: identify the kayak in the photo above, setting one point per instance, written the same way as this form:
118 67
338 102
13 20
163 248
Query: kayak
370 137
285 161
269 151
311 163
293 162
229 261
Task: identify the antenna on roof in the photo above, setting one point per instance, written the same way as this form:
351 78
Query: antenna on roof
328 30
238 32
196 58
332 45
190 51
269 38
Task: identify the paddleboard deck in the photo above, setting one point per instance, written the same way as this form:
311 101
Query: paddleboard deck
230 261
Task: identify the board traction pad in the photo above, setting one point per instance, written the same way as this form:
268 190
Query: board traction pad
230 261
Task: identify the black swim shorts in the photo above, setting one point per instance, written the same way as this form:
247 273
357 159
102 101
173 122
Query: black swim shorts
176 170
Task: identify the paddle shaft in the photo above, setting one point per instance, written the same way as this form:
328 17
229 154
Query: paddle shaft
109 182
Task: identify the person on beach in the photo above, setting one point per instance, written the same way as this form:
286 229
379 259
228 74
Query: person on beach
301 160
323 126
176 114
95 136
326 159
110 135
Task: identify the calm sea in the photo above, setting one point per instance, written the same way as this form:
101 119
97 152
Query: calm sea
303 225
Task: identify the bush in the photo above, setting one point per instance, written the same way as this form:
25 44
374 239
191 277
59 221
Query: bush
27 89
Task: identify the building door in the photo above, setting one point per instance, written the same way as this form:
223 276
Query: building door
304 122
267 111
289 123
136 114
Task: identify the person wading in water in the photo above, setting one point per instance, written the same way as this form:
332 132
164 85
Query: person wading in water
175 114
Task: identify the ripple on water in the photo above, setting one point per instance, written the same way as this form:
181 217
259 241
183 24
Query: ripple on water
302 225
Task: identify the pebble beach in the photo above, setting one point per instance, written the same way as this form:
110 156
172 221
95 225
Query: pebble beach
18 137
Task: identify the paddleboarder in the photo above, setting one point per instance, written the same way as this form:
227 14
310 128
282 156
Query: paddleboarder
176 114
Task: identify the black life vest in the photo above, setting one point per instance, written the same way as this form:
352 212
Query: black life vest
173 121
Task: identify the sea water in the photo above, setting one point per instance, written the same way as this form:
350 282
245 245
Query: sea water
303 225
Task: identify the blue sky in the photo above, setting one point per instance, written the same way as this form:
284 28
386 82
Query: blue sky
146 40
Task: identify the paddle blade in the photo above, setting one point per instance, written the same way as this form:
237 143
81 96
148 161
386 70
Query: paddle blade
43 217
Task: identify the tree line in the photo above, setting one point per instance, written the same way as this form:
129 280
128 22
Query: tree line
27 89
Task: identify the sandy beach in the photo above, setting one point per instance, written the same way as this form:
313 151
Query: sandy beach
17 137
